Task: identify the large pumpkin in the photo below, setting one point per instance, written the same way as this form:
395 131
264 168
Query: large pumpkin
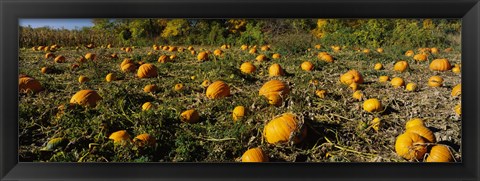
147 71
254 155
410 146
274 86
275 70
440 65
29 84
282 128
86 98
424 132
247 68
218 89
439 153
351 76
401 66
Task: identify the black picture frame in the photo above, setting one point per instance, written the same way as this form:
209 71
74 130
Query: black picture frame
11 11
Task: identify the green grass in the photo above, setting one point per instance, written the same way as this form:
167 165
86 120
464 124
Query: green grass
332 123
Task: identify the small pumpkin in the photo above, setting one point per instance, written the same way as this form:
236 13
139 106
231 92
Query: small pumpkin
29 84
164 59
59 59
435 81
218 89
410 146
321 93
439 153
261 58
414 122
45 70
206 83
358 95
178 87
283 129
113 55
265 48
409 53
172 49
253 50
126 61
380 50
83 79
190 116
434 50
411 87
49 55
144 139
456 69
147 71
372 105
276 56
238 113
366 51
424 132
274 86
217 52
440 65
150 88
274 98
254 155
317 46
420 57
275 70
110 77
351 76
458 109
307 66
247 68
401 66
202 56
325 57
119 136
378 66
353 86
90 56
383 78
147 106
244 47
86 97
457 90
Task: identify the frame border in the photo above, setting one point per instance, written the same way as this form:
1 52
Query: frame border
11 11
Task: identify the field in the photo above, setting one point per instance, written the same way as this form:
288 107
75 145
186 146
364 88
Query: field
338 129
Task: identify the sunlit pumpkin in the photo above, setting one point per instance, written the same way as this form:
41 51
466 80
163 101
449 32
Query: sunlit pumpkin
275 70
247 68
147 106
397 82
164 59
351 76
324 56
353 86
244 47
434 50
218 89
284 128
110 77
410 146
261 58
372 105
409 53
435 81
424 132
86 97
119 136
439 153
321 93
420 57
401 66
458 109
456 69
178 87
383 78
378 66
440 65
274 86
254 155
29 84
457 90
414 122
59 59
83 79
276 56
49 55
190 116
238 113
358 95
129 67
411 87
380 50
206 83
144 139
147 71
90 56
202 56
252 51
307 66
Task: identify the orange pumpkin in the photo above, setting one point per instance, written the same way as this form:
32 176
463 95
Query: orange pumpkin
414 122
147 71
274 86
372 105
424 132
218 89
351 76
274 98
383 78
119 136
190 116
440 65
284 129
238 113
276 56
397 82
401 66
275 70
164 59
435 81
144 139
307 66
261 58
439 153
29 84
378 66
49 55
150 88
358 95
59 59
217 52
129 67
409 53
90 56
110 77
457 90
254 155
247 68
147 106
420 57
86 98
202 56
410 146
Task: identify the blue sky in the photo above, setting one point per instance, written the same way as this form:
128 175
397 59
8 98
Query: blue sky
57 23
